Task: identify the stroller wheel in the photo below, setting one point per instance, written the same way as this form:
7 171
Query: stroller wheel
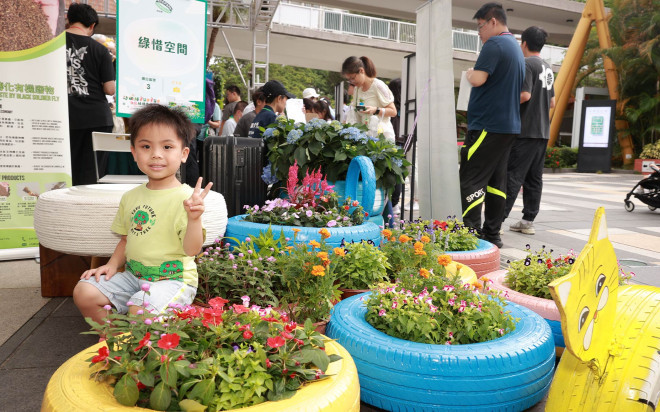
651 208
629 205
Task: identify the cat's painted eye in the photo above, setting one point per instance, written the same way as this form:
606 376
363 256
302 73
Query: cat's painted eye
583 317
599 283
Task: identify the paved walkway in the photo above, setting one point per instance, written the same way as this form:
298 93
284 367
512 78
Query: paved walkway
38 334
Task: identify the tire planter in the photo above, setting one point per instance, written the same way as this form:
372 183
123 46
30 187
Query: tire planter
484 259
238 230
71 389
511 373
375 212
630 380
546 308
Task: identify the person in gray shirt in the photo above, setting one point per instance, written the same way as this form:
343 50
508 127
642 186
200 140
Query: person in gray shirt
243 125
525 166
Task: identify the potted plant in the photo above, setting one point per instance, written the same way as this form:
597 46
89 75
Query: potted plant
330 147
309 205
217 358
650 154
361 266
455 239
526 283
433 342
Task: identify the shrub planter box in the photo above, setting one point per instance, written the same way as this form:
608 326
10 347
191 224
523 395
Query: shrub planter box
510 373
644 165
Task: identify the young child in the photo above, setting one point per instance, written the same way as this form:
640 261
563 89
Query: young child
160 224
276 96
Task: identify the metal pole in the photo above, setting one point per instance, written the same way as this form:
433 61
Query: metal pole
234 58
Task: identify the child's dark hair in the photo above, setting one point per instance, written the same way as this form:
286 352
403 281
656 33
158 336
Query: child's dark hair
308 104
82 13
353 65
323 109
490 10
534 37
258 95
161 115
240 106
395 87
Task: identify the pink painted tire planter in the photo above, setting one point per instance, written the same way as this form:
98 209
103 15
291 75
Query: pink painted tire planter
546 308
484 259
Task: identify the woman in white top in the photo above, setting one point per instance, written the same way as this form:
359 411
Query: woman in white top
372 100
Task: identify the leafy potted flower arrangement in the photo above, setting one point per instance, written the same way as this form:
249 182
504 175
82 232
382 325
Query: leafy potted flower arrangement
526 283
431 341
216 358
362 265
309 205
330 147
455 239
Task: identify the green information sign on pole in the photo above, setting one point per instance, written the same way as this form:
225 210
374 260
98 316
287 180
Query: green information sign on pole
161 55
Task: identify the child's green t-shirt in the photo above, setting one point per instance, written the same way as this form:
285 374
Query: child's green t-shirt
155 222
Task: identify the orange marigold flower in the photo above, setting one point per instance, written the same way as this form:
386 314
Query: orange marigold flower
420 252
404 238
387 233
418 245
392 239
444 260
318 270
322 255
295 230
483 278
339 251
314 243
424 273
289 247
425 239
476 284
325 233
459 266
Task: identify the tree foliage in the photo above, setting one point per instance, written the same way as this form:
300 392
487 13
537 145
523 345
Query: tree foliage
294 78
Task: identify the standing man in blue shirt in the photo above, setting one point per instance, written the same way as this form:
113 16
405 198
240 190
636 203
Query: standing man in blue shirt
493 122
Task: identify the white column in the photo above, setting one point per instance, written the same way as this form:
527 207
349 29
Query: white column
439 189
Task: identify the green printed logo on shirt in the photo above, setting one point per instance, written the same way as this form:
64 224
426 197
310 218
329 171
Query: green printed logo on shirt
170 270
144 218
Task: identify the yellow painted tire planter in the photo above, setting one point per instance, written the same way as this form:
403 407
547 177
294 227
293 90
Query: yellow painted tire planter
71 389
632 381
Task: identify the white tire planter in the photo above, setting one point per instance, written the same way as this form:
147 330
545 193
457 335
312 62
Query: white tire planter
511 373
546 308
238 229
63 218
484 259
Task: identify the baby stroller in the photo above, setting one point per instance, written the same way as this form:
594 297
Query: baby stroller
646 190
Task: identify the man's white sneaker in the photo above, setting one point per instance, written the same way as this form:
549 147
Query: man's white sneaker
526 228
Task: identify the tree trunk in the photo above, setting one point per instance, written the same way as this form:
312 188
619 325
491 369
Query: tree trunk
209 51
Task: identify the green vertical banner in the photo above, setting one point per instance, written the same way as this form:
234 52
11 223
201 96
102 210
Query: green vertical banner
161 55
34 123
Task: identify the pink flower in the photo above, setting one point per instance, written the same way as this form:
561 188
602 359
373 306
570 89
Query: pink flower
381 312
309 213
145 287
246 300
448 288
501 331
461 309
451 302
332 223
448 343
395 304
451 334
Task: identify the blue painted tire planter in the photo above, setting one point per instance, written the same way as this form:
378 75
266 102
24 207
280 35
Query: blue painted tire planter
239 229
371 199
376 212
511 373
484 259
546 308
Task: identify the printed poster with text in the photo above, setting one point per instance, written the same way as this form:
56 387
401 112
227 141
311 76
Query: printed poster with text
34 122
161 55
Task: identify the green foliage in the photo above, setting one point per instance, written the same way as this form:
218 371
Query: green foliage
364 265
295 79
651 151
408 256
532 275
438 310
330 148
560 157
450 235
192 358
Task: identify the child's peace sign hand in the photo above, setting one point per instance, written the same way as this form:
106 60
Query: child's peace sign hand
195 204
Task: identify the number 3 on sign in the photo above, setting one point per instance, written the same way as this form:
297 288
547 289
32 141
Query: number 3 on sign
148 86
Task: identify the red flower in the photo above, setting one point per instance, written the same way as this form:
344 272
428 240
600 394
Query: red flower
211 316
347 207
290 327
366 214
300 342
549 265
248 334
268 363
293 375
271 319
443 225
240 308
181 357
286 335
104 352
143 342
169 341
140 385
275 342
118 357
218 303
188 313
355 203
